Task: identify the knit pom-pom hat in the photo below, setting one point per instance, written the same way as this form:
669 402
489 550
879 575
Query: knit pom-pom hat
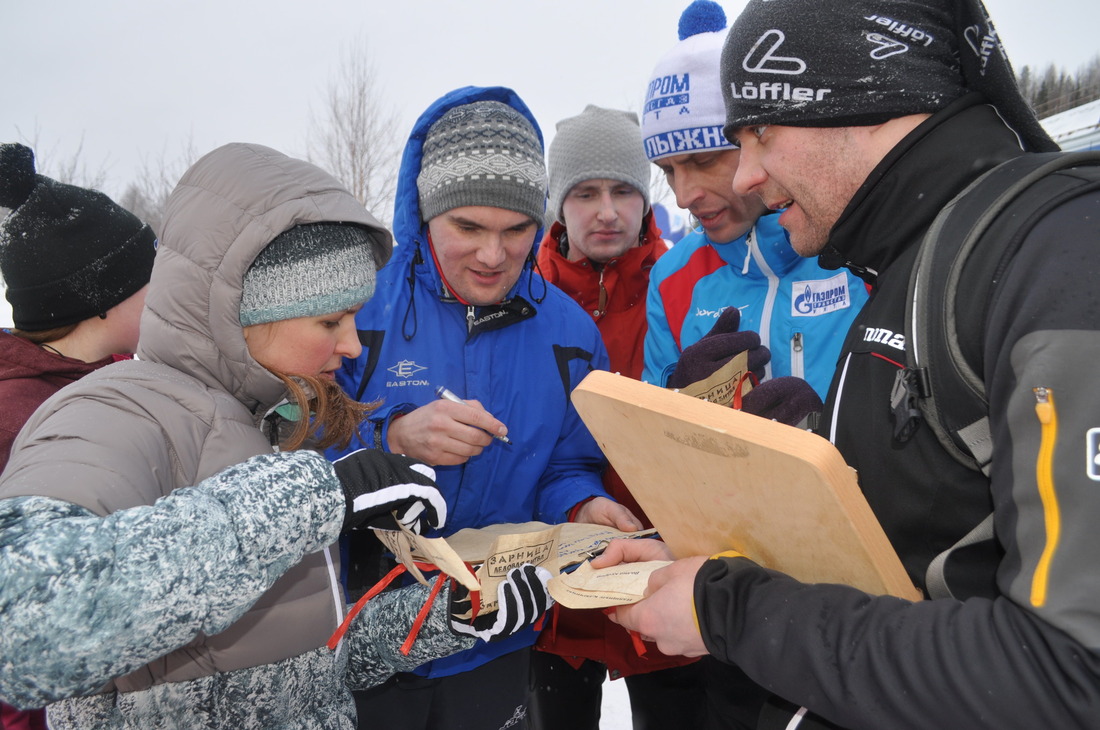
67 253
683 111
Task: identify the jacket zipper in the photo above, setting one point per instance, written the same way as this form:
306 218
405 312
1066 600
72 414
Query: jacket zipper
1044 475
469 319
797 355
769 299
602 306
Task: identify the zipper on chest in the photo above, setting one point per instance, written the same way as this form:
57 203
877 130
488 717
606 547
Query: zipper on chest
469 319
798 354
601 306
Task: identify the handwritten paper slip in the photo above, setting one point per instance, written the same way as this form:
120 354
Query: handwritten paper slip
724 384
712 478
587 587
496 549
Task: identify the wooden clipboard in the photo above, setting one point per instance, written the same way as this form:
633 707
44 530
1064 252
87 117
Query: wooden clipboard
712 479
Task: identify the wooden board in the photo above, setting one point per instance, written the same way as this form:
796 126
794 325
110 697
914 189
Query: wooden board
712 478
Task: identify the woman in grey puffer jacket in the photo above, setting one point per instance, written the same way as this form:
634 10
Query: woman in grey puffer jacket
164 556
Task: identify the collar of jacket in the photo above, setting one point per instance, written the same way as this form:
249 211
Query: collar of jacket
21 358
549 250
904 193
766 237
625 277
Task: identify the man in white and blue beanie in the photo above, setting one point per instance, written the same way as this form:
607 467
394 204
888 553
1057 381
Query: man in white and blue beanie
738 257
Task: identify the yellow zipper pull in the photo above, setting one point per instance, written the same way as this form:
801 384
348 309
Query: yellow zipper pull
1044 475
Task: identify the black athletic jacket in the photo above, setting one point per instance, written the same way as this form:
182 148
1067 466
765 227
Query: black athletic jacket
1023 649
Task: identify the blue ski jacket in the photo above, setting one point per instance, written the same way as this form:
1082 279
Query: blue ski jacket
520 358
801 310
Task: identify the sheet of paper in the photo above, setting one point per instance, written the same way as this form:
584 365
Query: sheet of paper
407 546
721 386
618 585
496 549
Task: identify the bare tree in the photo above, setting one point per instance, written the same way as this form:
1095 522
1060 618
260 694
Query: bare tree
71 170
354 136
146 196
1051 90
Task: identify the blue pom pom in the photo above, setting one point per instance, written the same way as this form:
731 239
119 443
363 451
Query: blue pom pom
702 16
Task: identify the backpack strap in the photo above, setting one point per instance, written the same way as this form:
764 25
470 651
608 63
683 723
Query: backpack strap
939 386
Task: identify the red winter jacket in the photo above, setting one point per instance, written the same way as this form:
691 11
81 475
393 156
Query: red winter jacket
28 376
614 297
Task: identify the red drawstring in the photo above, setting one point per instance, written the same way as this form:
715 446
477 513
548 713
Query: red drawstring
407 646
421 616
374 591
736 404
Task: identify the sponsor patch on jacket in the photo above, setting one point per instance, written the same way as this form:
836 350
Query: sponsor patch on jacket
820 296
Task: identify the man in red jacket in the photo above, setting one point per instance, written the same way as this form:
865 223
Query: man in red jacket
602 243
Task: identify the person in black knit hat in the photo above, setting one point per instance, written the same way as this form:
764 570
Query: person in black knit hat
75 265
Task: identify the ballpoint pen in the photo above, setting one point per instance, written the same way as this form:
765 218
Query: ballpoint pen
445 394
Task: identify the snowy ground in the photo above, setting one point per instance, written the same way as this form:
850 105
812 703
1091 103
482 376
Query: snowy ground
615 714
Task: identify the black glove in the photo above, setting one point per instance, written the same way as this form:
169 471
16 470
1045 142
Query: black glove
717 348
787 399
523 599
383 489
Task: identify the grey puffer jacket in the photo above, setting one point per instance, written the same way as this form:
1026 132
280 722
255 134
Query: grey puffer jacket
154 553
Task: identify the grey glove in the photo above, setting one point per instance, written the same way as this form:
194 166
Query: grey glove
383 489
523 600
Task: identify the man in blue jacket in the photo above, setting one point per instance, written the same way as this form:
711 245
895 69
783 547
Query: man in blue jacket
739 256
462 310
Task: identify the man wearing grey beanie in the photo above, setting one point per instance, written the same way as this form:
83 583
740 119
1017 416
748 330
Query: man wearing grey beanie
601 246
461 316
887 132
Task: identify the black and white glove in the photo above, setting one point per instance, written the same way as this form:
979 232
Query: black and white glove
523 600
383 489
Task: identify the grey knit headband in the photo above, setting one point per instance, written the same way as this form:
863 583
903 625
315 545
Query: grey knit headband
309 270
482 153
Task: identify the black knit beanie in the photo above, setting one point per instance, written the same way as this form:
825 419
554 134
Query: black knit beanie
838 63
67 253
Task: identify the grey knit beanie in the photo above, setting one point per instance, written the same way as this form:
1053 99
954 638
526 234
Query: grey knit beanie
482 153
309 270
597 144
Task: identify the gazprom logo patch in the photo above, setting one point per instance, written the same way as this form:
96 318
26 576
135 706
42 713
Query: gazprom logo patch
821 296
1092 468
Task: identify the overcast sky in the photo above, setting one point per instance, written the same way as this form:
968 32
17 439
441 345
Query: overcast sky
136 79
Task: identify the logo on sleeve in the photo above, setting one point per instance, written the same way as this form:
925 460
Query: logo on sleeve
1092 449
813 298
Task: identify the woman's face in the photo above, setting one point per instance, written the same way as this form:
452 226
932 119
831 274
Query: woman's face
305 345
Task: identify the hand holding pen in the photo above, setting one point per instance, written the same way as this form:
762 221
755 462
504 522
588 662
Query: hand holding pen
445 394
444 432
